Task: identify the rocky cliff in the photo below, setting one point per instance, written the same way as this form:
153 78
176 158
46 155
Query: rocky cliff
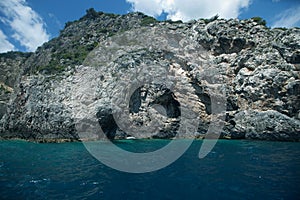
10 69
133 75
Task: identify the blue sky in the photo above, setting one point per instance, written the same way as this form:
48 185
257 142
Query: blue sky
26 24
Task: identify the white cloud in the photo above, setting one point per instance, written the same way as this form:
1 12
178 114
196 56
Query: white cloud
5 45
190 9
27 26
288 18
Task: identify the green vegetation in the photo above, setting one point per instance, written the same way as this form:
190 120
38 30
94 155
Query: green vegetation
174 22
259 20
111 34
71 48
111 15
146 21
68 24
207 21
105 31
91 14
52 68
67 57
14 54
281 28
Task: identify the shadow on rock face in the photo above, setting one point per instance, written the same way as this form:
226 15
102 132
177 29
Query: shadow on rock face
107 122
142 100
169 103
165 102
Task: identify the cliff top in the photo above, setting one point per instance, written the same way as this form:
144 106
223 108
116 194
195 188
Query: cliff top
80 37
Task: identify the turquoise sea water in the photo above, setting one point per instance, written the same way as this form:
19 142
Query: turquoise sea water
233 170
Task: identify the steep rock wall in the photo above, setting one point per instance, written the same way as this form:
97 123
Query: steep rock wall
174 68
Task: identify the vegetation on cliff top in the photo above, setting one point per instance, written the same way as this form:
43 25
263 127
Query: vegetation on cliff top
80 37
259 20
14 54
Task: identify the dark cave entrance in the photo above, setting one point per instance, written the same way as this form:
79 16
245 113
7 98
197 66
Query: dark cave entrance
166 103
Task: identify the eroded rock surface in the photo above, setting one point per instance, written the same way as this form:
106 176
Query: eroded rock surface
134 76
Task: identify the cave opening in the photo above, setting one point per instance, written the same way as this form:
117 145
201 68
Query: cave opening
167 101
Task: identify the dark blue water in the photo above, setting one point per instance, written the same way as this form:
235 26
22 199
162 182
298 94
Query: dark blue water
234 170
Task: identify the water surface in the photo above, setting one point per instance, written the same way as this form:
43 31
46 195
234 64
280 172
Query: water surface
233 170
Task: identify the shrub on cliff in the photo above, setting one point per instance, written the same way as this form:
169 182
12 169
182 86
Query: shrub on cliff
91 14
259 20
148 20
174 22
14 55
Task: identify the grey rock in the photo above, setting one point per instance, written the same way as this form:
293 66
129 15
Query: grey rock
129 75
266 125
11 67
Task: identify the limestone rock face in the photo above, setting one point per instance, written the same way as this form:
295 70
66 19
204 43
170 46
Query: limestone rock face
10 68
118 76
269 124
